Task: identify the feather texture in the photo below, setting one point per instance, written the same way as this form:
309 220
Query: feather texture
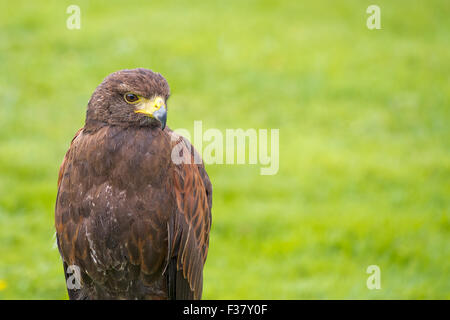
135 223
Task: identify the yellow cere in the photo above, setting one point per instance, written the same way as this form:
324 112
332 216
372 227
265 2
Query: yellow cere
159 102
147 106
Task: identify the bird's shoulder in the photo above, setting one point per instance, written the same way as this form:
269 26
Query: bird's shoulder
126 154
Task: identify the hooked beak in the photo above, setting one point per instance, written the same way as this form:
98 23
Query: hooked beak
154 108
161 116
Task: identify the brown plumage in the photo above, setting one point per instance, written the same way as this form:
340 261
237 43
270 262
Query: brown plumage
135 222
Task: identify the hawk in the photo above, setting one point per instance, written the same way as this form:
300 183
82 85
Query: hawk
132 222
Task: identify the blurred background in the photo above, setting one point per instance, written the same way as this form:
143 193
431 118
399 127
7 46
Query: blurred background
363 114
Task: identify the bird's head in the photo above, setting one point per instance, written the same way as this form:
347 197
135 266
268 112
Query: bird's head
135 97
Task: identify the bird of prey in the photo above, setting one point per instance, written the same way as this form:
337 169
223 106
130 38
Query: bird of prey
132 222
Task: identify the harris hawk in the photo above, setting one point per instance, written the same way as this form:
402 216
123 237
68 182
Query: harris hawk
134 223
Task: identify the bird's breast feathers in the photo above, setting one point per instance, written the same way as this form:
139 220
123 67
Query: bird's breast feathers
113 194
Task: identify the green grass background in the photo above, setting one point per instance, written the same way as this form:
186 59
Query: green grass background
364 136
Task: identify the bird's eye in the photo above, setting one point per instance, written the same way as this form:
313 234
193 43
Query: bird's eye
131 98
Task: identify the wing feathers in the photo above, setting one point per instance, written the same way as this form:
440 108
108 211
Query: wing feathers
193 220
